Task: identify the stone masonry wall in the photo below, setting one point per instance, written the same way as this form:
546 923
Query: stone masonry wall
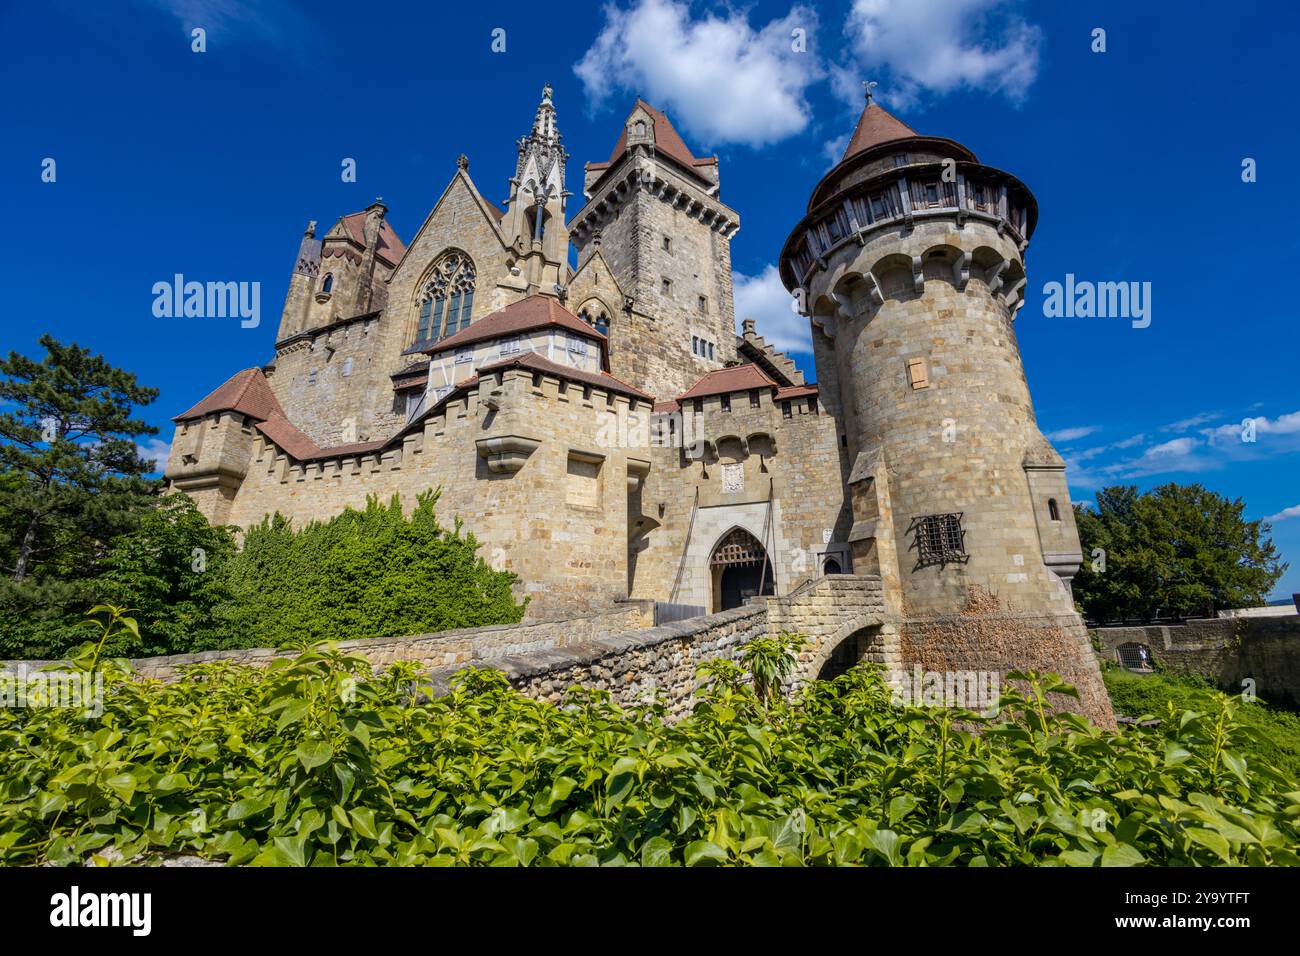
444 649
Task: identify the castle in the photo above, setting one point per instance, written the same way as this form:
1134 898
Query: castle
605 433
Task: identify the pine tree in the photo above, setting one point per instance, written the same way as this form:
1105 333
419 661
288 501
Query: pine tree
71 477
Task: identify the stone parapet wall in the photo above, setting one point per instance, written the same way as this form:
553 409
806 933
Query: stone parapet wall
636 667
446 648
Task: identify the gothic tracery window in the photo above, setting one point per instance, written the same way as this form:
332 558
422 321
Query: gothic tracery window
593 313
447 299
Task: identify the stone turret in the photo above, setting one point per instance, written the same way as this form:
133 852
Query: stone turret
654 215
910 265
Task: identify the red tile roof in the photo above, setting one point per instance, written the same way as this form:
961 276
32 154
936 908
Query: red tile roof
390 247
796 391
531 360
667 141
738 378
247 392
876 125
299 446
534 312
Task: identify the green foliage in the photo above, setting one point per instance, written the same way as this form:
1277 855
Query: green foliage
771 661
170 568
317 761
1179 550
1276 731
71 478
370 573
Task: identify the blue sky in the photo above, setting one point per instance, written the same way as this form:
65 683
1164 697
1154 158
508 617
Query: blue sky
210 164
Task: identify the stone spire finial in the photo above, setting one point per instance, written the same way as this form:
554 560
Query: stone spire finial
546 93
462 162
311 229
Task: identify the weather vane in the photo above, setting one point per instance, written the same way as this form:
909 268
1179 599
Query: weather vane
868 86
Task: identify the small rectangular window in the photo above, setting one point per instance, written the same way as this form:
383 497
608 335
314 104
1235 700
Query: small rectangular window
464 355
710 351
667 286
786 410
918 375
510 346
812 404
726 403
695 345
699 405
577 344
703 305
753 398
668 244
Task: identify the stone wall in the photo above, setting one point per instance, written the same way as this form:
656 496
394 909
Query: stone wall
1225 651
637 666
446 648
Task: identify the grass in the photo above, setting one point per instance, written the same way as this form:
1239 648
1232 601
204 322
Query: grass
1277 730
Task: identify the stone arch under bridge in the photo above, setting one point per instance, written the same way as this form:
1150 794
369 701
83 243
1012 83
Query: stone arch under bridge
843 618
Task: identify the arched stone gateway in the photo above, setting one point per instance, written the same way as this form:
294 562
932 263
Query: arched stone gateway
740 569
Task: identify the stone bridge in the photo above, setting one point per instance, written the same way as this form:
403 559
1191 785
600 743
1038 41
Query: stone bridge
842 616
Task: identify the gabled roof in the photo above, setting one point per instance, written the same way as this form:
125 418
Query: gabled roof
667 141
875 126
390 247
738 378
247 392
534 312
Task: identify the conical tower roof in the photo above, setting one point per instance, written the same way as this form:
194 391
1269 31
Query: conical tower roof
875 126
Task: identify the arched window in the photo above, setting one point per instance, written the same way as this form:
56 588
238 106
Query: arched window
447 299
1053 511
831 566
593 313
327 284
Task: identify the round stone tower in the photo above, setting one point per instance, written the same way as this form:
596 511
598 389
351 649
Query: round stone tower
910 265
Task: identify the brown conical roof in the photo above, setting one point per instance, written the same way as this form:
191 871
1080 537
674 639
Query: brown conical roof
876 125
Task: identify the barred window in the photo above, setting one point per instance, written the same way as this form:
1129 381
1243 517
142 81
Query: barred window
939 539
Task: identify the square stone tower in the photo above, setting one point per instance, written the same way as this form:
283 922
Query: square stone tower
654 215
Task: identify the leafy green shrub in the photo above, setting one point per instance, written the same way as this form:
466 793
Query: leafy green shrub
317 761
1276 731
369 573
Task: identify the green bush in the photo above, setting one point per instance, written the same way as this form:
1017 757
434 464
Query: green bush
370 573
317 761
1276 731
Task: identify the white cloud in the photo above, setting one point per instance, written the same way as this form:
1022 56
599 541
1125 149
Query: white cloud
1072 434
155 450
721 79
1284 430
1192 422
1284 514
940 46
764 299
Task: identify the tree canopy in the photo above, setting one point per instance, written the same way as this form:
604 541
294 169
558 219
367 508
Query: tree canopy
1174 551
